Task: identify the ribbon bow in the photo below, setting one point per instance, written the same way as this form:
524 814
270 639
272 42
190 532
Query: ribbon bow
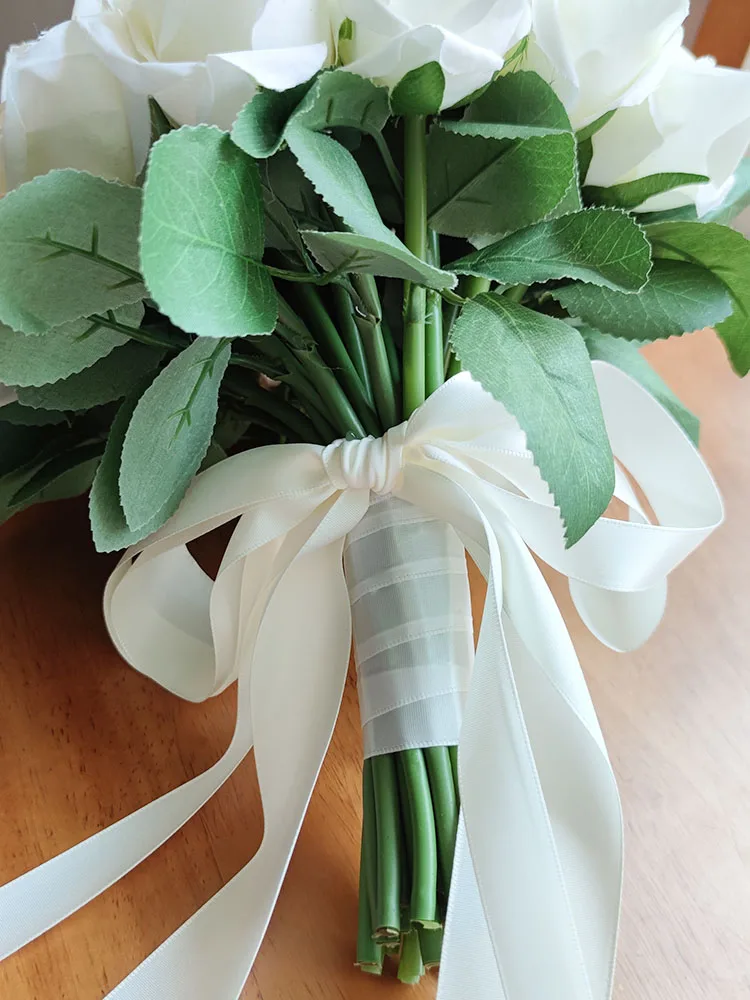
534 902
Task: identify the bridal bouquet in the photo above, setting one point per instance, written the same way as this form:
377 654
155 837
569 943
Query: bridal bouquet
370 278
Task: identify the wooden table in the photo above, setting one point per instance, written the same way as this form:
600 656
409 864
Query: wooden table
85 740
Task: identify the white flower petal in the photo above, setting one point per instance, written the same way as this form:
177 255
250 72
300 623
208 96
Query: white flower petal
64 108
604 54
696 121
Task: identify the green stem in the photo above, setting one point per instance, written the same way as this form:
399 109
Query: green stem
471 285
369 954
335 353
410 967
394 362
431 943
445 806
388 162
247 390
515 293
424 841
386 401
370 835
388 922
453 366
415 238
434 344
453 752
151 336
351 336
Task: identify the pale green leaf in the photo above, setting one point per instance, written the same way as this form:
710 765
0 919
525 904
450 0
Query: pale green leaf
679 298
108 525
202 236
259 129
538 367
726 253
420 92
63 351
602 246
109 379
626 356
352 252
170 432
500 130
631 194
68 248
736 201
340 99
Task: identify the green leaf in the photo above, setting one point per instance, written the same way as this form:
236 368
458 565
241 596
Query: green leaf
420 92
679 298
602 246
26 416
352 252
202 236
522 98
538 367
508 164
259 129
109 379
736 201
626 356
66 475
500 130
631 194
19 445
726 253
339 99
63 351
108 525
68 248
486 187
170 432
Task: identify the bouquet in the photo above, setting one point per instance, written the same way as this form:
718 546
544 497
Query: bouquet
370 280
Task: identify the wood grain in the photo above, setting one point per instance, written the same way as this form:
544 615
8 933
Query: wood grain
725 32
84 740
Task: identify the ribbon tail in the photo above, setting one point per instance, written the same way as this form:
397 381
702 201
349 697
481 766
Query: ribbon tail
539 880
298 668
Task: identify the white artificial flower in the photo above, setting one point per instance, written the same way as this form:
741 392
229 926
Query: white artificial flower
604 54
469 38
696 121
64 108
203 59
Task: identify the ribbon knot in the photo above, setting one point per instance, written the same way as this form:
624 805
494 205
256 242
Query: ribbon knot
367 463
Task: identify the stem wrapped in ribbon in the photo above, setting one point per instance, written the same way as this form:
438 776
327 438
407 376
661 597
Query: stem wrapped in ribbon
534 898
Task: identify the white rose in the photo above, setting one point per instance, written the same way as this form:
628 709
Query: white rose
203 59
63 108
604 54
696 121
469 38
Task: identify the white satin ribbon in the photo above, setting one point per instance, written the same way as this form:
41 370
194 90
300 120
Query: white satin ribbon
534 903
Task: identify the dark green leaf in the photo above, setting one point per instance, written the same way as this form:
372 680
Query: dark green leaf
621 354
487 187
170 432
420 92
63 351
109 379
631 194
538 367
202 236
68 474
19 445
602 246
26 416
685 213
352 252
726 253
736 201
68 248
522 98
679 298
